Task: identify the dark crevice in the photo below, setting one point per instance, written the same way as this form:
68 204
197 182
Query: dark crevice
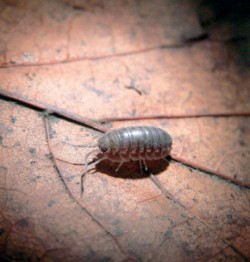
51 110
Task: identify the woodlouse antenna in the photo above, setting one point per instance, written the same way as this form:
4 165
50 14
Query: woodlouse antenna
82 145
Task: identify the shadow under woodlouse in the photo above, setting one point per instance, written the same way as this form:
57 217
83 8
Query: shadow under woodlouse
130 169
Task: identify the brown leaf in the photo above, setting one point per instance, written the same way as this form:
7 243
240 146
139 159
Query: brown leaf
100 59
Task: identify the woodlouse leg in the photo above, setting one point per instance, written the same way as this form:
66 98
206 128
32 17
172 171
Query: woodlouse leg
141 169
118 167
145 165
83 176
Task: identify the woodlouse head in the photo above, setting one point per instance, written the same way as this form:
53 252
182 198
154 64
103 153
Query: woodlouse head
103 144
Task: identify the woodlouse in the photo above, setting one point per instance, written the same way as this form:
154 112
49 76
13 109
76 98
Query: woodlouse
139 143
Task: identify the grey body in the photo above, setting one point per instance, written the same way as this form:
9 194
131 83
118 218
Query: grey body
135 143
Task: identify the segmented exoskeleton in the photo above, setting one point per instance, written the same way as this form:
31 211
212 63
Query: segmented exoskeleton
139 143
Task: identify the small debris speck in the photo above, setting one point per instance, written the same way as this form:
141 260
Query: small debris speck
13 119
32 150
51 203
